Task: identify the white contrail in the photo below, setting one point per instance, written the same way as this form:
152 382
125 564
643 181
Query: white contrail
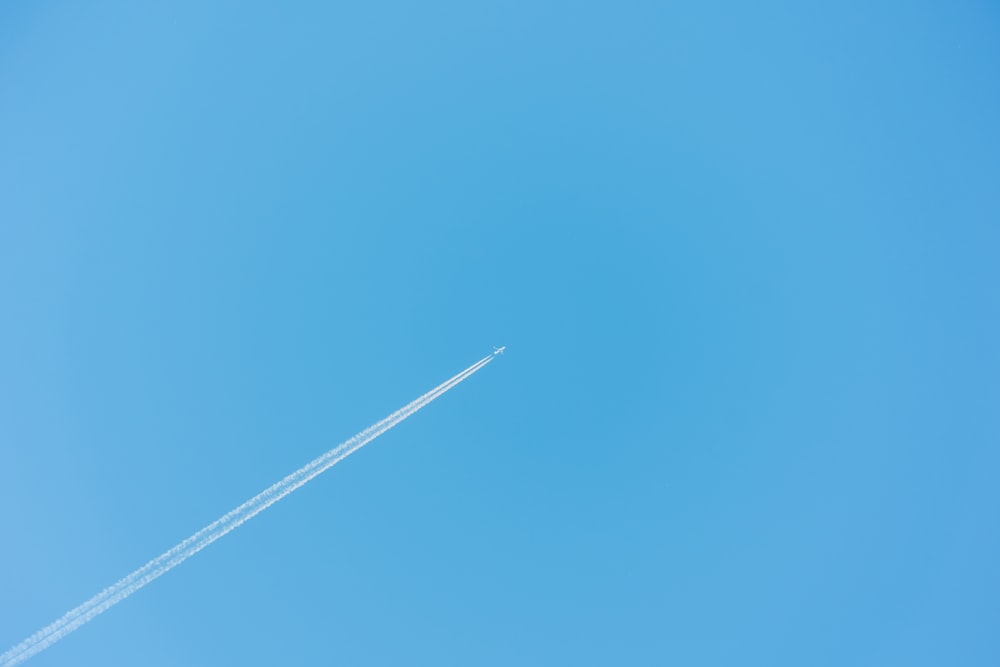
163 563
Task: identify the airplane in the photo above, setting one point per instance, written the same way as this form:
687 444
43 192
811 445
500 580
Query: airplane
498 350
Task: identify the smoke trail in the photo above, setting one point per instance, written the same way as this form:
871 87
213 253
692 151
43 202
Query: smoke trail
163 563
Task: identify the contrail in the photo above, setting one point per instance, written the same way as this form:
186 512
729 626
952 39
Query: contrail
173 557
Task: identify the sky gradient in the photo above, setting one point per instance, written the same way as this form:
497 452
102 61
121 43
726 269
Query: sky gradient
744 260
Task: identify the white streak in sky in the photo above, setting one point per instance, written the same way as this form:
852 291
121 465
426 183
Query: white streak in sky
163 563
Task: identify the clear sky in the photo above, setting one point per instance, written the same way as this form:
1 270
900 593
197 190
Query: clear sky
744 257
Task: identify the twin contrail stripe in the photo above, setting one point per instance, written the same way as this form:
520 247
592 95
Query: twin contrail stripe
163 563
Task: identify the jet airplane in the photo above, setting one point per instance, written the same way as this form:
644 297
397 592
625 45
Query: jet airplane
498 350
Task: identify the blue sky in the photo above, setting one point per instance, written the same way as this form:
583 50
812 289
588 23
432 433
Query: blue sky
744 258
